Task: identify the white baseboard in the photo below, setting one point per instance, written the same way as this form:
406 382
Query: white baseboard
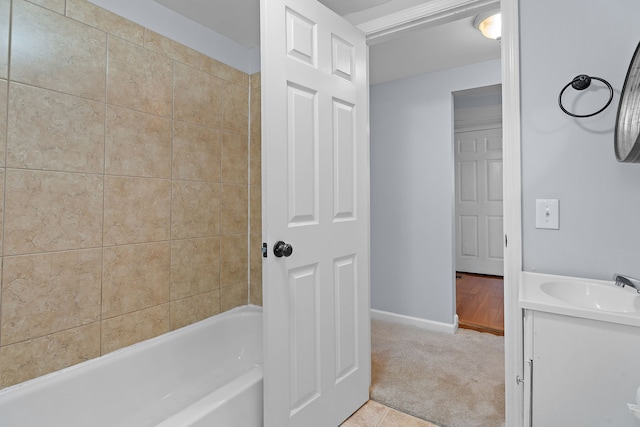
416 321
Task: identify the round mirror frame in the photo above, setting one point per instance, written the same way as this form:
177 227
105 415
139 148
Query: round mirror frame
627 131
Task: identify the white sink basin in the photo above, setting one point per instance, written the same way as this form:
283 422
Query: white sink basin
594 296
579 297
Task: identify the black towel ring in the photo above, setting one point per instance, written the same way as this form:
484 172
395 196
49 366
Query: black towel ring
582 82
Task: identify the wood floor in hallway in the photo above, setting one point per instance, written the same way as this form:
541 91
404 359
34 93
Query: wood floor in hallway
480 302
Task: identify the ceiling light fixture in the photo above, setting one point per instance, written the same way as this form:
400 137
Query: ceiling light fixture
489 24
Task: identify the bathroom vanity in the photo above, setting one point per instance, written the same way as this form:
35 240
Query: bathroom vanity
581 351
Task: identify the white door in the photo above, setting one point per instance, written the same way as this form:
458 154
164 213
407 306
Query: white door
315 198
479 231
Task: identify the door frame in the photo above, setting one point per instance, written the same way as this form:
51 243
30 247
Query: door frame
439 12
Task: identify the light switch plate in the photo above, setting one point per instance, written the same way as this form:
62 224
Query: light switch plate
547 214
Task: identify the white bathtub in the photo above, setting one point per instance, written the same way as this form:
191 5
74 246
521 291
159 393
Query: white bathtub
208 373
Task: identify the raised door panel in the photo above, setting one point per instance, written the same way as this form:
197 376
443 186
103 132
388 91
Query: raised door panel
301 38
344 167
468 236
302 177
346 321
494 180
304 329
468 181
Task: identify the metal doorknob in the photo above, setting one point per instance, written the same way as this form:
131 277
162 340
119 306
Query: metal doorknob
281 249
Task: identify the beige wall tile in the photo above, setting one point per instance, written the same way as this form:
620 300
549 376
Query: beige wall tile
255 191
139 79
255 269
137 144
174 50
234 212
4 94
52 131
255 80
5 7
233 260
233 296
195 266
224 72
255 148
255 171
255 161
47 293
255 109
135 277
51 211
51 51
131 328
235 116
255 254
235 165
195 209
29 359
193 309
90 14
54 5
2 179
58 279
255 200
196 152
136 210
198 97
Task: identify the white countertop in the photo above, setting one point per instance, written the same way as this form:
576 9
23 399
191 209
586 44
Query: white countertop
534 298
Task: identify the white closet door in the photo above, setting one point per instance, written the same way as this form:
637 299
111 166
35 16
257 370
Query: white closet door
479 230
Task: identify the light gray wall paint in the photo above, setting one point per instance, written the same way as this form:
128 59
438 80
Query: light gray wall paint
254 60
573 159
164 21
478 97
412 190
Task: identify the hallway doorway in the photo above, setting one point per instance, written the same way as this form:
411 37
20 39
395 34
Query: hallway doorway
478 180
479 240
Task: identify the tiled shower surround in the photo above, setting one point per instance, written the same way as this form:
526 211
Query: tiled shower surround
129 185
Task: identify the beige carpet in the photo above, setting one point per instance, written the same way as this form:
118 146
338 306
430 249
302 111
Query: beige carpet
450 380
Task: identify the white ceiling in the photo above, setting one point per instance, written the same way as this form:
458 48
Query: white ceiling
445 46
448 45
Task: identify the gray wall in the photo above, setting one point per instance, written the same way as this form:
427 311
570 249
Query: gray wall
412 189
165 21
573 159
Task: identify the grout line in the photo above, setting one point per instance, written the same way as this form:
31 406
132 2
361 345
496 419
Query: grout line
249 191
386 411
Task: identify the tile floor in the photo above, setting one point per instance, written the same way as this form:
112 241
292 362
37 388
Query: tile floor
374 414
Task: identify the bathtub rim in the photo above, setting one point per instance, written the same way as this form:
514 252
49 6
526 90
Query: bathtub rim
18 389
215 400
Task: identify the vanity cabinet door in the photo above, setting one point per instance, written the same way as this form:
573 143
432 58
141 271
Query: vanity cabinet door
584 372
